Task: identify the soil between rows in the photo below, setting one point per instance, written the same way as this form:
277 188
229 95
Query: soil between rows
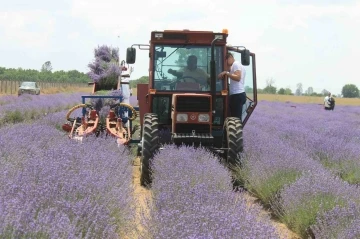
143 196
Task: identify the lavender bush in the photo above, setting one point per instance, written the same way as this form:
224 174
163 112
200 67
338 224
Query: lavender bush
293 156
328 137
6 99
193 198
53 187
315 193
31 107
340 222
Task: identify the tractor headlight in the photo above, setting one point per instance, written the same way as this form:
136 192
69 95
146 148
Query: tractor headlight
182 117
204 117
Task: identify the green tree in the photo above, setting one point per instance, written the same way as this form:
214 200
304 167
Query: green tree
288 91
141 80
270 90
20 74
299 89
281 91
309 91
46 67
350 91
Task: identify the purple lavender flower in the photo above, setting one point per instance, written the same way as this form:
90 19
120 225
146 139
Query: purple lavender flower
105 70
31 107
193 198
103 53
54 187
340 222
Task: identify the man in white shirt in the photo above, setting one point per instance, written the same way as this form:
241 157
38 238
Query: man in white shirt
237 85
329 102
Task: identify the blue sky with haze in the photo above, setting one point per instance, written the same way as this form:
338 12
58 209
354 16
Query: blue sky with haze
312 42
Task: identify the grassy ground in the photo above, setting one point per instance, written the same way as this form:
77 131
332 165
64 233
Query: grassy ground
307 99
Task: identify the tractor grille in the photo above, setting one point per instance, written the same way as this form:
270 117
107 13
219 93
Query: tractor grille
192 104
188 128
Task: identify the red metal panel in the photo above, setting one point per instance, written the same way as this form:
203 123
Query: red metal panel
142 93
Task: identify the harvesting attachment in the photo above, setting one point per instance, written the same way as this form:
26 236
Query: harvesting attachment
81 126
117 123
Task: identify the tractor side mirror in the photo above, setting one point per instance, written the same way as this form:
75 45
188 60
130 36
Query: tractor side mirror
245 57
130 55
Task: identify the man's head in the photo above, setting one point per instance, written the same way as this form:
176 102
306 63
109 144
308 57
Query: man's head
329 94
229 59
192 62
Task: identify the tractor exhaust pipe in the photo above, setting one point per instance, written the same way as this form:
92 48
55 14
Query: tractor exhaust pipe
213 76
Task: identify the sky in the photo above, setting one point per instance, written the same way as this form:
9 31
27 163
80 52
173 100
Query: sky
315 43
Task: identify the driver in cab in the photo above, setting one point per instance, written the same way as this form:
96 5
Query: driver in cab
191 73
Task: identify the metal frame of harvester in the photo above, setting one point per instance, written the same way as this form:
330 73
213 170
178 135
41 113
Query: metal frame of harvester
118 122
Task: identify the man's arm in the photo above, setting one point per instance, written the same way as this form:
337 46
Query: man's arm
175 73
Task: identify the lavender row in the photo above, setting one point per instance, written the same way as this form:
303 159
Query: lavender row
283 174
56 188
193 198
331 138
30 107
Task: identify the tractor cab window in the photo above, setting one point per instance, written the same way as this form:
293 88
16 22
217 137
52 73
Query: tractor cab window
185 68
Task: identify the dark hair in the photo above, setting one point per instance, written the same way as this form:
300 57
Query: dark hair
228 55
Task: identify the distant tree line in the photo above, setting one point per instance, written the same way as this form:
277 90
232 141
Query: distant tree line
141 80
348 90
45 74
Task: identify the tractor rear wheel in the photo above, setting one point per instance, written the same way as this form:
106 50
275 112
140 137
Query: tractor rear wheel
150 145
233 140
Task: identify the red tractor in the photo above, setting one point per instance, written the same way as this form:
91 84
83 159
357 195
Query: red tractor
194 113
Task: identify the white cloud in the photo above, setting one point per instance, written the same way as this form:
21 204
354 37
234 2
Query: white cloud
73 35
28 28
295 41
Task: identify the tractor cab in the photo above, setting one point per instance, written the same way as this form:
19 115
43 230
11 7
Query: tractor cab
185 97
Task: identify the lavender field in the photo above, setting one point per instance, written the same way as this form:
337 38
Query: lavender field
302 163
15 109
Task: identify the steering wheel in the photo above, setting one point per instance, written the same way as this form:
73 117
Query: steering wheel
182 79
133 111
88 106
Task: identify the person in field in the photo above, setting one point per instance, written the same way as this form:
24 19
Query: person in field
237 85
329 102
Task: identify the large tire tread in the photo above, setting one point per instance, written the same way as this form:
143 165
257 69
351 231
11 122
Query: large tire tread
233 134
150 146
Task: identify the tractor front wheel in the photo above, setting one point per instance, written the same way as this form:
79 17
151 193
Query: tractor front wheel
233 140
150 144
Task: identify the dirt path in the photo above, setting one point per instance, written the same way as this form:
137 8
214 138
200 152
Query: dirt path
143 196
